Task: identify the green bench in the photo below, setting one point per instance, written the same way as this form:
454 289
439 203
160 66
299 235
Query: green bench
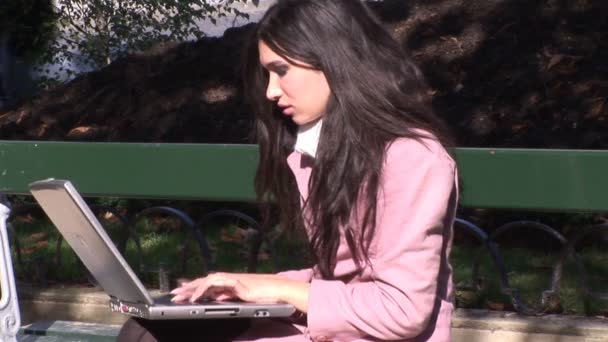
541 180
554 180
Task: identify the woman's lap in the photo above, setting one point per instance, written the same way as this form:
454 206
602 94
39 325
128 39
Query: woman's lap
216 330
272 330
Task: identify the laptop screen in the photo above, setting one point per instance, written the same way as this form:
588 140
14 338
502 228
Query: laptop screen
84 233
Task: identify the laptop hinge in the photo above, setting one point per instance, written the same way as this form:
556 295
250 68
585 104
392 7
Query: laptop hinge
136 309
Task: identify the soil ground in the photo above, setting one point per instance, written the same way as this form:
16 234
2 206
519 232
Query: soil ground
503 73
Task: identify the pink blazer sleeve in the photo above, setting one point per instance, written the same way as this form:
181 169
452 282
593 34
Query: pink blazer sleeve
418 183
304 275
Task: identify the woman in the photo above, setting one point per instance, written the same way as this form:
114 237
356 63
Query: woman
351 150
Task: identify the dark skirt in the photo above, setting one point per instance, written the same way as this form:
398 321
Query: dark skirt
207 330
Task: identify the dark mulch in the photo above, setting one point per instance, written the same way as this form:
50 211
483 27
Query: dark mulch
503 72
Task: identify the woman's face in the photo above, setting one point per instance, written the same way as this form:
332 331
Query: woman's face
302 93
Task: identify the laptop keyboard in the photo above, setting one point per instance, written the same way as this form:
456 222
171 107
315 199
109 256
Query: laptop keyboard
166 299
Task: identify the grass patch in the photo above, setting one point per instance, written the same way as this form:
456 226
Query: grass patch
530 271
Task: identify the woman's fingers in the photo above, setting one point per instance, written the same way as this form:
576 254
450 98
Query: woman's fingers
198 288
214 284
225 296
223 286
179 299
185 290
178 290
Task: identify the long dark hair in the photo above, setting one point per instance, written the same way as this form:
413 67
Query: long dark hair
377 95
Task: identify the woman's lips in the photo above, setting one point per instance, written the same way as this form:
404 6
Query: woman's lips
287 110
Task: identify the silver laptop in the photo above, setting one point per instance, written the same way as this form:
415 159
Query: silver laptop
81 229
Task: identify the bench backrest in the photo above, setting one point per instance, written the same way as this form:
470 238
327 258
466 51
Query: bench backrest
535 179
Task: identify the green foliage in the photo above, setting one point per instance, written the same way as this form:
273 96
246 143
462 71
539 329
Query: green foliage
29 24
103 30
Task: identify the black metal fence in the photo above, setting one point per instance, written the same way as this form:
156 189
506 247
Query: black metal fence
489 242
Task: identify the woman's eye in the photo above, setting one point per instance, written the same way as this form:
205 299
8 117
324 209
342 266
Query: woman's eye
281 71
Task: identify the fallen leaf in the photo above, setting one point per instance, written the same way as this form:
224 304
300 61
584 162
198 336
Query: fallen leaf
263 256
228 236
35 237
25 219
41 244
554 60
597 109
495 306
582 88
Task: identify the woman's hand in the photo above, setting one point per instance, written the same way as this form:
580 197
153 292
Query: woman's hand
254 288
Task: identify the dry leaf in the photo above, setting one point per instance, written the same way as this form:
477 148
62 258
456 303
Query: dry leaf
41 244
495 306
598 108
35 237
25 219
228 236
263 256
582 88
27 251
554 60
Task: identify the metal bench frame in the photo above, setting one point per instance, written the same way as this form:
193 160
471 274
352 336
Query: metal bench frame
10 317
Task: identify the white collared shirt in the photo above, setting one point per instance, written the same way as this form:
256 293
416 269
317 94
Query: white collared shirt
307 139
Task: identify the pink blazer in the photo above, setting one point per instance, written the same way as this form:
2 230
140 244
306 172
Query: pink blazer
407 294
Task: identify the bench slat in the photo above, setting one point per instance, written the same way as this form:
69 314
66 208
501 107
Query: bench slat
183 171
535 179
554 180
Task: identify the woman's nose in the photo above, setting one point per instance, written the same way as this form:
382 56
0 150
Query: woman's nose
273 91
